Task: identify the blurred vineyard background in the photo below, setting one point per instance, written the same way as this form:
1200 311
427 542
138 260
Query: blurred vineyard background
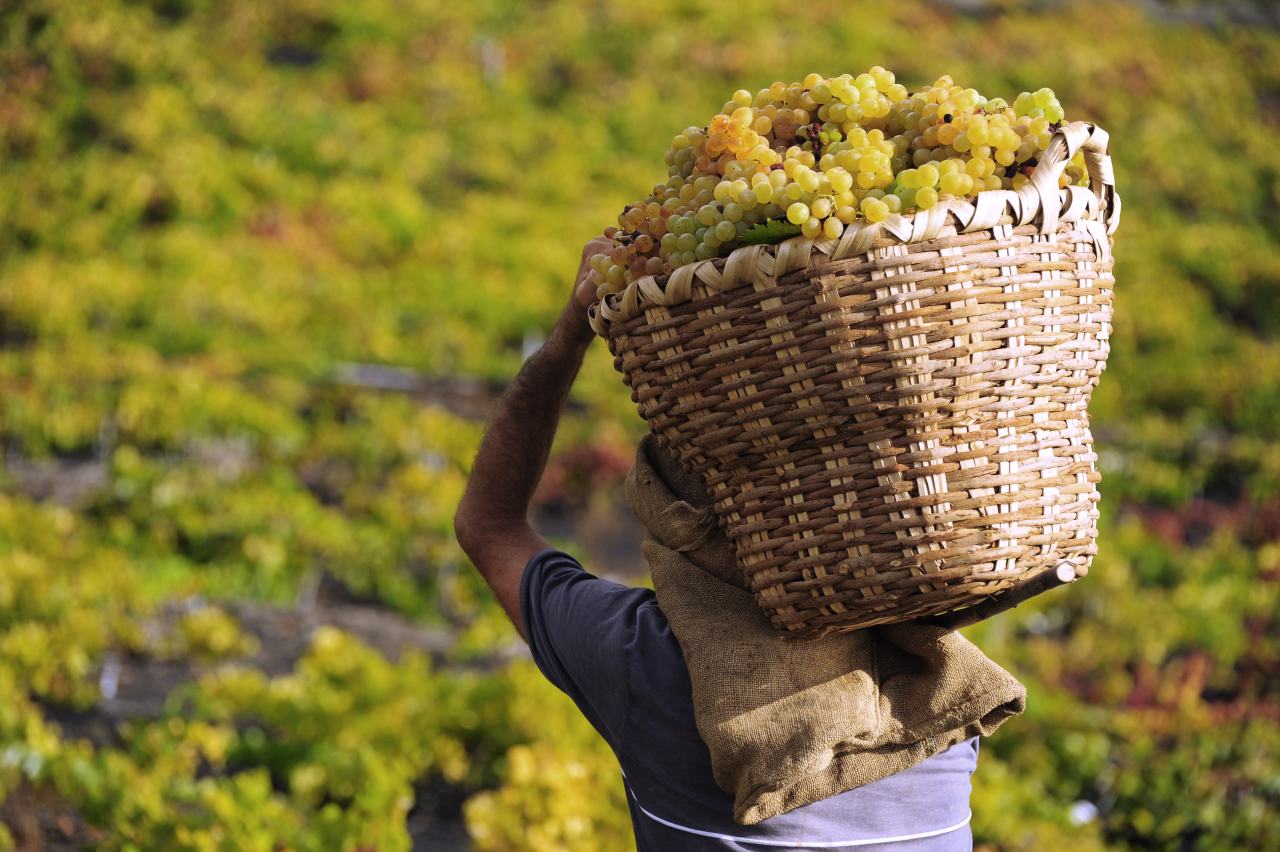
263 267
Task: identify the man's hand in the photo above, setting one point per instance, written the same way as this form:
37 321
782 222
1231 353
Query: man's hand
584 291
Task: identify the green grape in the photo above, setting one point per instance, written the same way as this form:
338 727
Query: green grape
798 213
874 210
954 183
978 133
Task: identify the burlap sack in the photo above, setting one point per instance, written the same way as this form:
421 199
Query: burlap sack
792 722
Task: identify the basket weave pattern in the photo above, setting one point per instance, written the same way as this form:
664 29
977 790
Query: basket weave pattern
893 424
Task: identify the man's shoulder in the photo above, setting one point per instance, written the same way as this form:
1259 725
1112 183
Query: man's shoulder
553 571
601 642
573 600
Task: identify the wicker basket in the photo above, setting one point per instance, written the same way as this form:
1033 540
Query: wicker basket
892 424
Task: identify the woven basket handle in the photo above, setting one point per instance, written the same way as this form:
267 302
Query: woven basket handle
1043 191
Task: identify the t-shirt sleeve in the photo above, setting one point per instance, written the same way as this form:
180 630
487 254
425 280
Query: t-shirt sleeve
580 629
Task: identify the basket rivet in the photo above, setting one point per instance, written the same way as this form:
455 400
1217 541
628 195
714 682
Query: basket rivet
1066 572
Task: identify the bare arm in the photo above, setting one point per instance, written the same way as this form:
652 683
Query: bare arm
492 521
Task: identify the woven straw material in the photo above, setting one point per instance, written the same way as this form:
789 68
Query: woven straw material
893 424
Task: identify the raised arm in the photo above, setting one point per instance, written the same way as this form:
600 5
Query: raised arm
492 521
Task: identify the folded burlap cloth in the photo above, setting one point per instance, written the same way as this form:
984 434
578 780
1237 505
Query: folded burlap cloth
792 722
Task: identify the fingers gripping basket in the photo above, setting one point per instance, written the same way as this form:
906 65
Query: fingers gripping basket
892 424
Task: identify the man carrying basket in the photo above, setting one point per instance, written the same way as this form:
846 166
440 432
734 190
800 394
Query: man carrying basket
728 736
872 432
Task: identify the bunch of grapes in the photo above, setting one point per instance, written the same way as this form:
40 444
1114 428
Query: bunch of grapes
813 157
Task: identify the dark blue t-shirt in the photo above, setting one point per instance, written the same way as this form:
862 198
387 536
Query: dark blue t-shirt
608 646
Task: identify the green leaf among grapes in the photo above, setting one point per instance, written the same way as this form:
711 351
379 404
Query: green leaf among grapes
768 233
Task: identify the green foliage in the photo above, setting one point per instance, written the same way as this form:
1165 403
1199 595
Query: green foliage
209 209
561 791
543 802
1144 699
209 633
772 231
64 599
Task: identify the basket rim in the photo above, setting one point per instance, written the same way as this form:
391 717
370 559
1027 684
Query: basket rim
1096 209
